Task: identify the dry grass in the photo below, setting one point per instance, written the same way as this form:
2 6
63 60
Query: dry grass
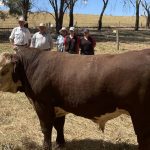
5 47
20 129
111 47
82 20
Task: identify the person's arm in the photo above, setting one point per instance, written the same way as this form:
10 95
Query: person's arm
65 44
93 42
29 37
57 41
51 43
12 36
33 41
78 43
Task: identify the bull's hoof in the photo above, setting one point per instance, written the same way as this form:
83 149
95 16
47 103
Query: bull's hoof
47 146
59 147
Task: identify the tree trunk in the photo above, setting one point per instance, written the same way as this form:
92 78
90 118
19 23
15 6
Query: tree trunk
101 15
60 20
60 16
57 22
100 22
137 16
148 21
71 21
26 6
25 15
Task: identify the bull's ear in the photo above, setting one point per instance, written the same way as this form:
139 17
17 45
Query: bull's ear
5 57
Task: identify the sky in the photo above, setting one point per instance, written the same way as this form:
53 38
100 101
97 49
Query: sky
115 7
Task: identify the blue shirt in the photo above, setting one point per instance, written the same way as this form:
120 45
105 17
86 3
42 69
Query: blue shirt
60 43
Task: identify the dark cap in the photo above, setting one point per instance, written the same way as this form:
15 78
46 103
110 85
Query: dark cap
85 30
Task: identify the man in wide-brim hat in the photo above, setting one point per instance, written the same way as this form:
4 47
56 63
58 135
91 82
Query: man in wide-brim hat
20 36
42 39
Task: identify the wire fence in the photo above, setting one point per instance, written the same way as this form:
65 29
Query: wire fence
5 33
105 33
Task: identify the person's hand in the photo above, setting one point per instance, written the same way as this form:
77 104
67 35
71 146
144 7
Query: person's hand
14 47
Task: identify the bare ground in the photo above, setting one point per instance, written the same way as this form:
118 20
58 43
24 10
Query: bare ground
20 129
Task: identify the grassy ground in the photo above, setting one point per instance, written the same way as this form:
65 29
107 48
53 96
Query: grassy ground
20 129
106 41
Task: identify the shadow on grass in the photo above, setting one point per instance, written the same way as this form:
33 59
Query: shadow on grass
29 144
86 144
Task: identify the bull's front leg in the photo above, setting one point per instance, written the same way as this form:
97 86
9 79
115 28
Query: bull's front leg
59 126
46 116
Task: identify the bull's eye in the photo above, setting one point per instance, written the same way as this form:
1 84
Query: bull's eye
4 71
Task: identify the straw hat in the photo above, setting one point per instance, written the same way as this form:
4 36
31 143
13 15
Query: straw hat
63 29
41 25
21 19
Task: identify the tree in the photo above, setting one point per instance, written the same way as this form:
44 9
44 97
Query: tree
146 6
136 4
105 2
71 4
26 6
59 7
137 15
19 7
3 15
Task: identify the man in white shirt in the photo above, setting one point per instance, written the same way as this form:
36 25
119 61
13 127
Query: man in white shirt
42 39
20 36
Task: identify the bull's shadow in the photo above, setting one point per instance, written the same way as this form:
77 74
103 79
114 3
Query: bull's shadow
86 144
89 144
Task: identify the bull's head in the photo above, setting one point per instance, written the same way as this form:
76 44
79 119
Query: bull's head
7 84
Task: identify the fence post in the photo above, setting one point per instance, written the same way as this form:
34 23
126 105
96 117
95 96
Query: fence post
117 38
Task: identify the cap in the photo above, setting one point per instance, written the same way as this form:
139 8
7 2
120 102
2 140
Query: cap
85 30
41 25
63 29
71 29
21 19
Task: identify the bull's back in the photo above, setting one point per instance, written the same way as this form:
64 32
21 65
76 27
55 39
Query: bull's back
98 83
103 81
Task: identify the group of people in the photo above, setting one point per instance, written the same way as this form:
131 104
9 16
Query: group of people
71 43
66 42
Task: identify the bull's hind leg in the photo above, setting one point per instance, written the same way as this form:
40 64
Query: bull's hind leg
59 126
46 116
141 123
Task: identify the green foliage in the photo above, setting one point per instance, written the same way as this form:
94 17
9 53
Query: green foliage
3 16
18 7
13 6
